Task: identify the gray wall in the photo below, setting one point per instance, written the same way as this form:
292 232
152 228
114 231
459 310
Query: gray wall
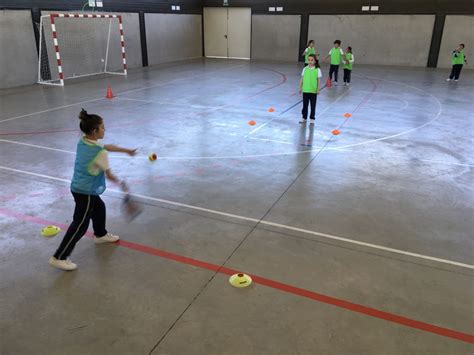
18 56
376 39
457 29
173 37
161 6
352 6
275 37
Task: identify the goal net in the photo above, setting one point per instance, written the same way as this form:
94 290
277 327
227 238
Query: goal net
78 45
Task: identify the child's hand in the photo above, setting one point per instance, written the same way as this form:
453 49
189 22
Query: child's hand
299 91
132 152
124 187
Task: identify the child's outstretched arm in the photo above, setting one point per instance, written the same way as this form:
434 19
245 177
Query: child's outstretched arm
115 148
300 87
113 178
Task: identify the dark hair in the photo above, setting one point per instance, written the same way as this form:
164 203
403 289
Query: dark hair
309 42
89 123
349 48
462 44
338 41
316 62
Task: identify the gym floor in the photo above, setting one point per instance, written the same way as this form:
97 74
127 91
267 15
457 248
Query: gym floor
358 243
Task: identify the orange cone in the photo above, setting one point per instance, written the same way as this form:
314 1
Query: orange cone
336 132
271 109
328 83
252 123
109 94
347 115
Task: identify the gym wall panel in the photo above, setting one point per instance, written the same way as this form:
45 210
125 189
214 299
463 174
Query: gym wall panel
18 55
131 29
351 6
457 29
275 37
172 37
376 39
161 6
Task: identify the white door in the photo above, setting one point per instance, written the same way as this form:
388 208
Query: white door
227 32
215 32
239 32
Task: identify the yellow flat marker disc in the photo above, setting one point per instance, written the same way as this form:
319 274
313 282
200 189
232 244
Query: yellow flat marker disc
50 231
240 280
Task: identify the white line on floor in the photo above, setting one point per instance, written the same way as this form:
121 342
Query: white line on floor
121 93
271 140
317 116
254 220
51 109
37 146
167 103
341 149
403 157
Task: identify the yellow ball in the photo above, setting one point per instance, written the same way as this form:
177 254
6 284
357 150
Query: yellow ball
152 157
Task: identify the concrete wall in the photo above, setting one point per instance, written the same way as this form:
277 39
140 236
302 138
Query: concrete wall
350 6
156 6
457 29
376 39
173 37
275 37
18 56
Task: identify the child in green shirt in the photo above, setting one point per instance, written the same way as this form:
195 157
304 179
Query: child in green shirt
309 50
309 85
335 54
348 59
457 60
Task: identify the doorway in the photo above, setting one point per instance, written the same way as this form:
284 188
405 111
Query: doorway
227 32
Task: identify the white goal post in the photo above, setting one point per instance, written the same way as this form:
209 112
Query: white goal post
79 44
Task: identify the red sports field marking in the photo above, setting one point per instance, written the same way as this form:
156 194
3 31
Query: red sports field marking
368 96
283 80
354 307
372 312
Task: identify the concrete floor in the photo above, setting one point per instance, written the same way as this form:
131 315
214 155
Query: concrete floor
360 243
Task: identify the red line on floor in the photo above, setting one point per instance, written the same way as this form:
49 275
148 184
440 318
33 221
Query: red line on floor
354 307
368 96
283 80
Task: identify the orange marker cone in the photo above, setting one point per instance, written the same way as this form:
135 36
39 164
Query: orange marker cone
347 115
252 123
109 94
271 109
328 83
336 132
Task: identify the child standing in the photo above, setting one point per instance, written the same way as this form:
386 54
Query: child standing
88 183
335 54
348 62
310 83
457 59
309 50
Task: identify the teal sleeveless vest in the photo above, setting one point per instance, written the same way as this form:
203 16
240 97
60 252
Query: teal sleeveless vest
85 180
